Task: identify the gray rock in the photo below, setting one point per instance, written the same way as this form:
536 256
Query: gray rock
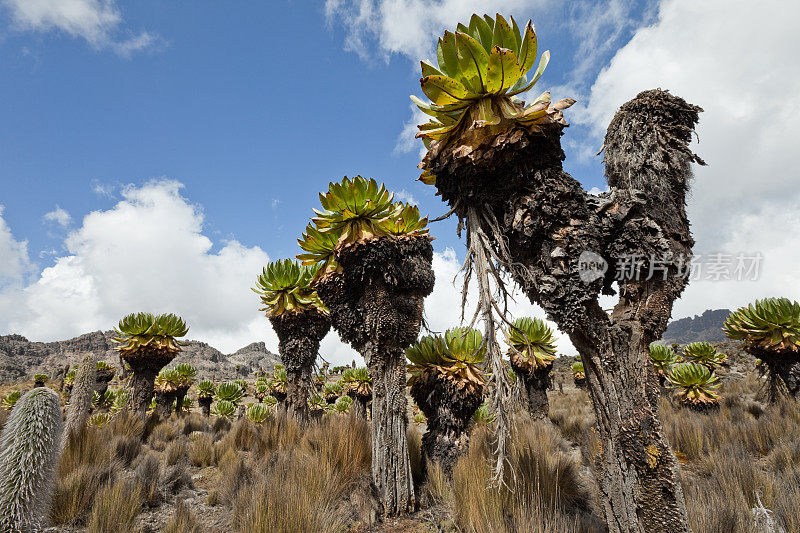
21 358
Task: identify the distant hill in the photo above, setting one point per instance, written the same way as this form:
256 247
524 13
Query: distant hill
21 358
705 327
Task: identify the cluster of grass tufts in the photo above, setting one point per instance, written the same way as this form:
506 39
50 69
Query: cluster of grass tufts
546 487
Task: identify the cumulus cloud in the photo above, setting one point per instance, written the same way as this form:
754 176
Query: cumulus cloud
14 260
148 252
443 306
58 216
746 199
96 21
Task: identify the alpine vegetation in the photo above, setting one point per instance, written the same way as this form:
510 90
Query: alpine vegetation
532 349
373 261
148 343
447 383
30 447
770 329
300 320
80 400
501 174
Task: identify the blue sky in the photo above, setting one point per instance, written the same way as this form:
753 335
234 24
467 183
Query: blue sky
252 111
233 117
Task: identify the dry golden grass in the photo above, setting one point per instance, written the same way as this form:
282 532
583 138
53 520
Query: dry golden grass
279 477
183 521
549 492
116 508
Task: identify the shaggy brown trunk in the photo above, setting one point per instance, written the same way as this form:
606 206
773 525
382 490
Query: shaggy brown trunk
448 411
101 383
141 383
299 336
535 384
205 405
180 394
784 374
391 464
566 246
359 406
376 307
164 401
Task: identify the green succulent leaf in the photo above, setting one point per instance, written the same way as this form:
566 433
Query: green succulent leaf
480 69
285 289
663 357
532 344
703 353
771 325
694 384
224 409
143 335
457 355
229 392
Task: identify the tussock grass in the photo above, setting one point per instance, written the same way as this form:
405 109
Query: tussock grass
549 492
116 508
87 464
309 481
201 452
176 451
730 456
183 521
147 475
162 435
126 448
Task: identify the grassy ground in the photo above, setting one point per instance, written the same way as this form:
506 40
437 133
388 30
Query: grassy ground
196 474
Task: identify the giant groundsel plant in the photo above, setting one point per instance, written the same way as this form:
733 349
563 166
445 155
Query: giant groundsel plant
481 69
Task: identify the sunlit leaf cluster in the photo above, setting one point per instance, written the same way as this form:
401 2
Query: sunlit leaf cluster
532 344
771 324
480 70
143 334
458 355
663 357
355 210
703 353
285 289
694 384
357 381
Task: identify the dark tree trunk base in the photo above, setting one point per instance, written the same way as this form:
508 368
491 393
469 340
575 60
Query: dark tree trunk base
299 336
391 465
205 405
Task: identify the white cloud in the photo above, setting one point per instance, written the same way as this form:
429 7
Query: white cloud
410 27
744 75
59 216
405 196
103 189
14 260
443 306
96 21
147 253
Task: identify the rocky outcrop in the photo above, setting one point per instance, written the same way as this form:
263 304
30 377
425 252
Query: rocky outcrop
705 327
21 358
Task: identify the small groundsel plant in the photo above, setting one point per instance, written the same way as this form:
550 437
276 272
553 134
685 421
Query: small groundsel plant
695 386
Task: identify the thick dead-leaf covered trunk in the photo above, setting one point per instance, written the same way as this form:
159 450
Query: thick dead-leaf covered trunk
376 305
299 336
564 246
144 369
448 407
535 384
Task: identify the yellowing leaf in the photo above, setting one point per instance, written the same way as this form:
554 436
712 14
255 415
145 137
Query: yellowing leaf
502 71
443 90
